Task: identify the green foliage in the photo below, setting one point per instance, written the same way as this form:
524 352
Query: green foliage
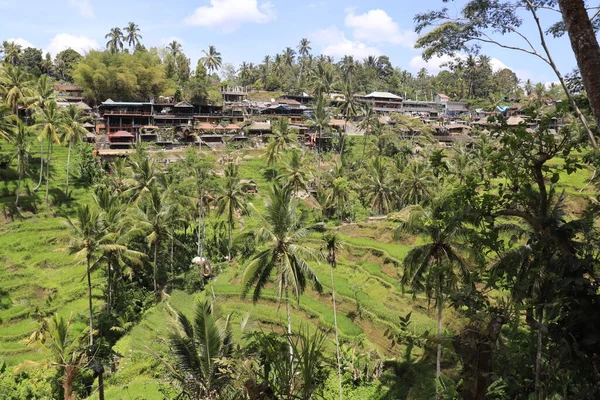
127 77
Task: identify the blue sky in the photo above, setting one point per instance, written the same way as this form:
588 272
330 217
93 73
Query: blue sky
246 30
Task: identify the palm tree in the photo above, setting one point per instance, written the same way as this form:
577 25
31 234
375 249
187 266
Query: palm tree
18 133
145 174
174 48
379 187
282 138
132 36
41 94
73 132
85 240
320 119
66 350
12 52
349 109
198 348
15 87
348 67
295 173
115 40
283 253
416 184
212 59
304 47
366 124
232 200
333 244
51 124
153 217
436 266
322 79
288 56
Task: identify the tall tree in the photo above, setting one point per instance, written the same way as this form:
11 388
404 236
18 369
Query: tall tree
212 59
51 124
333 244
231 201
15 87
282 139
132 35
42 93
19 134
295 172
283 253
73 132
349 109
85 240
115 40
437 266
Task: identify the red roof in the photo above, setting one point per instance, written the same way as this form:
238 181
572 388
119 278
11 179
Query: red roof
232 127
205 126
121 134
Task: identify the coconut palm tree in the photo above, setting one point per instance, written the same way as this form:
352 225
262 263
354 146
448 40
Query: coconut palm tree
132 35
283 253
304 47
378 186
18 133
115 40
73 132
66 350
114 251
280 140
332 243
320 120
348 67
366 124
12 52
41 94
288 57
198 347
15 87
437 266
349 109
153 217
51 124
86 235
295 173
145 174
231 201
212 59
174 48
416 184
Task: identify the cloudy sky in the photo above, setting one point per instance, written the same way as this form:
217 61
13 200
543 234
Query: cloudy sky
246 30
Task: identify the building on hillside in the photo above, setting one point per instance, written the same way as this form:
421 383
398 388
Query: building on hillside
125 116
303 98
234 94
517 110
383 102
451 108
68 93
422 108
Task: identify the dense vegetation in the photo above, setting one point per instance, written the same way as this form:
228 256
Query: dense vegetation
385 267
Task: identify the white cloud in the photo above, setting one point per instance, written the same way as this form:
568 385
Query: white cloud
63 41
84 7
376 26
336 44
229 15
21 42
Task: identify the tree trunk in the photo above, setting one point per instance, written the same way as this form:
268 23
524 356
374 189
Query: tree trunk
109 287
552 64
230 239
68 167
155 268
438 358
585 46
538 354
101 383
172 253
41 166
289 332
48 170
67 385
89 282
20 167
337 339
